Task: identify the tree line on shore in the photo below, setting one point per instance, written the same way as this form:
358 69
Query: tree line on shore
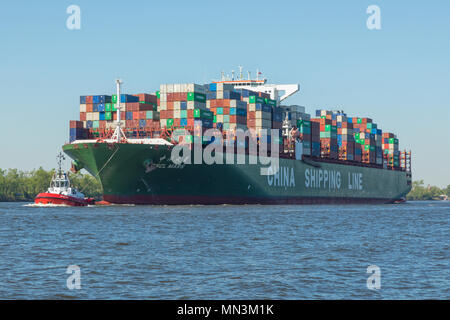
16 185
421 192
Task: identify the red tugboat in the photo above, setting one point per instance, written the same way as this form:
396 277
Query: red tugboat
60 191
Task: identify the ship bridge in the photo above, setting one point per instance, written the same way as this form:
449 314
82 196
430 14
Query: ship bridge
277 92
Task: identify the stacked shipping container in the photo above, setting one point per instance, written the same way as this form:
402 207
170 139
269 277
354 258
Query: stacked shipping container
332 135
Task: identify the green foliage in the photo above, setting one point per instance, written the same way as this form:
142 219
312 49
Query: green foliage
421 192
17 185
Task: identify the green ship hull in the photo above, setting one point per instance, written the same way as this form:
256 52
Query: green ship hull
144 174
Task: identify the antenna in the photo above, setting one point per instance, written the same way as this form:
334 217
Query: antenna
223 75
232 74
257 74
59 159
249 75
240 72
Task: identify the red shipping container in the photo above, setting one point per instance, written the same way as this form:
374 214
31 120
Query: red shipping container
183 96
170 105
75 124
142 115
89 99
145 107
89 107
149 98
82 116
135 115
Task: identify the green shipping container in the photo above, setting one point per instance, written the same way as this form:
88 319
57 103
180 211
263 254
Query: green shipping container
114 98
108 107
270 102
194 96
149 115
255 99
158 95
169 123
95 124
108 116
303 123
183 113
203 114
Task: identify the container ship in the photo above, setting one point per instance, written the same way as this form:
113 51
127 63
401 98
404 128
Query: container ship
128 142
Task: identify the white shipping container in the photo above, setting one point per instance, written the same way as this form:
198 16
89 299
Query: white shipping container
193 87
95 116
82 107
177 114
177 88
162 105
177 105
163 97
219 95
219 118
163 88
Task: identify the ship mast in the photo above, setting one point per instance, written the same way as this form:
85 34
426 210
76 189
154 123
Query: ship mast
59 159
118 133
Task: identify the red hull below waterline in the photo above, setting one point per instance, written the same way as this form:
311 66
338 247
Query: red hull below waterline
58 199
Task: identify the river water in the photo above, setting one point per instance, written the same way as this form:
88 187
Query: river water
226 252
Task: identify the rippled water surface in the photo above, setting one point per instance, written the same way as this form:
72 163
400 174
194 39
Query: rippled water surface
224 252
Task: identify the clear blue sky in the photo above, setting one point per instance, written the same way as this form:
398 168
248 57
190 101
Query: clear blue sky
399 75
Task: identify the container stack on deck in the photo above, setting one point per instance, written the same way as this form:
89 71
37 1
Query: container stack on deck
178 103
99 114
328 135
182 107
368 140
304 129
346 139
259 113
230 112
390 149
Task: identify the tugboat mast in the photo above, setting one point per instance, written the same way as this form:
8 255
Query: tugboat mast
60 158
